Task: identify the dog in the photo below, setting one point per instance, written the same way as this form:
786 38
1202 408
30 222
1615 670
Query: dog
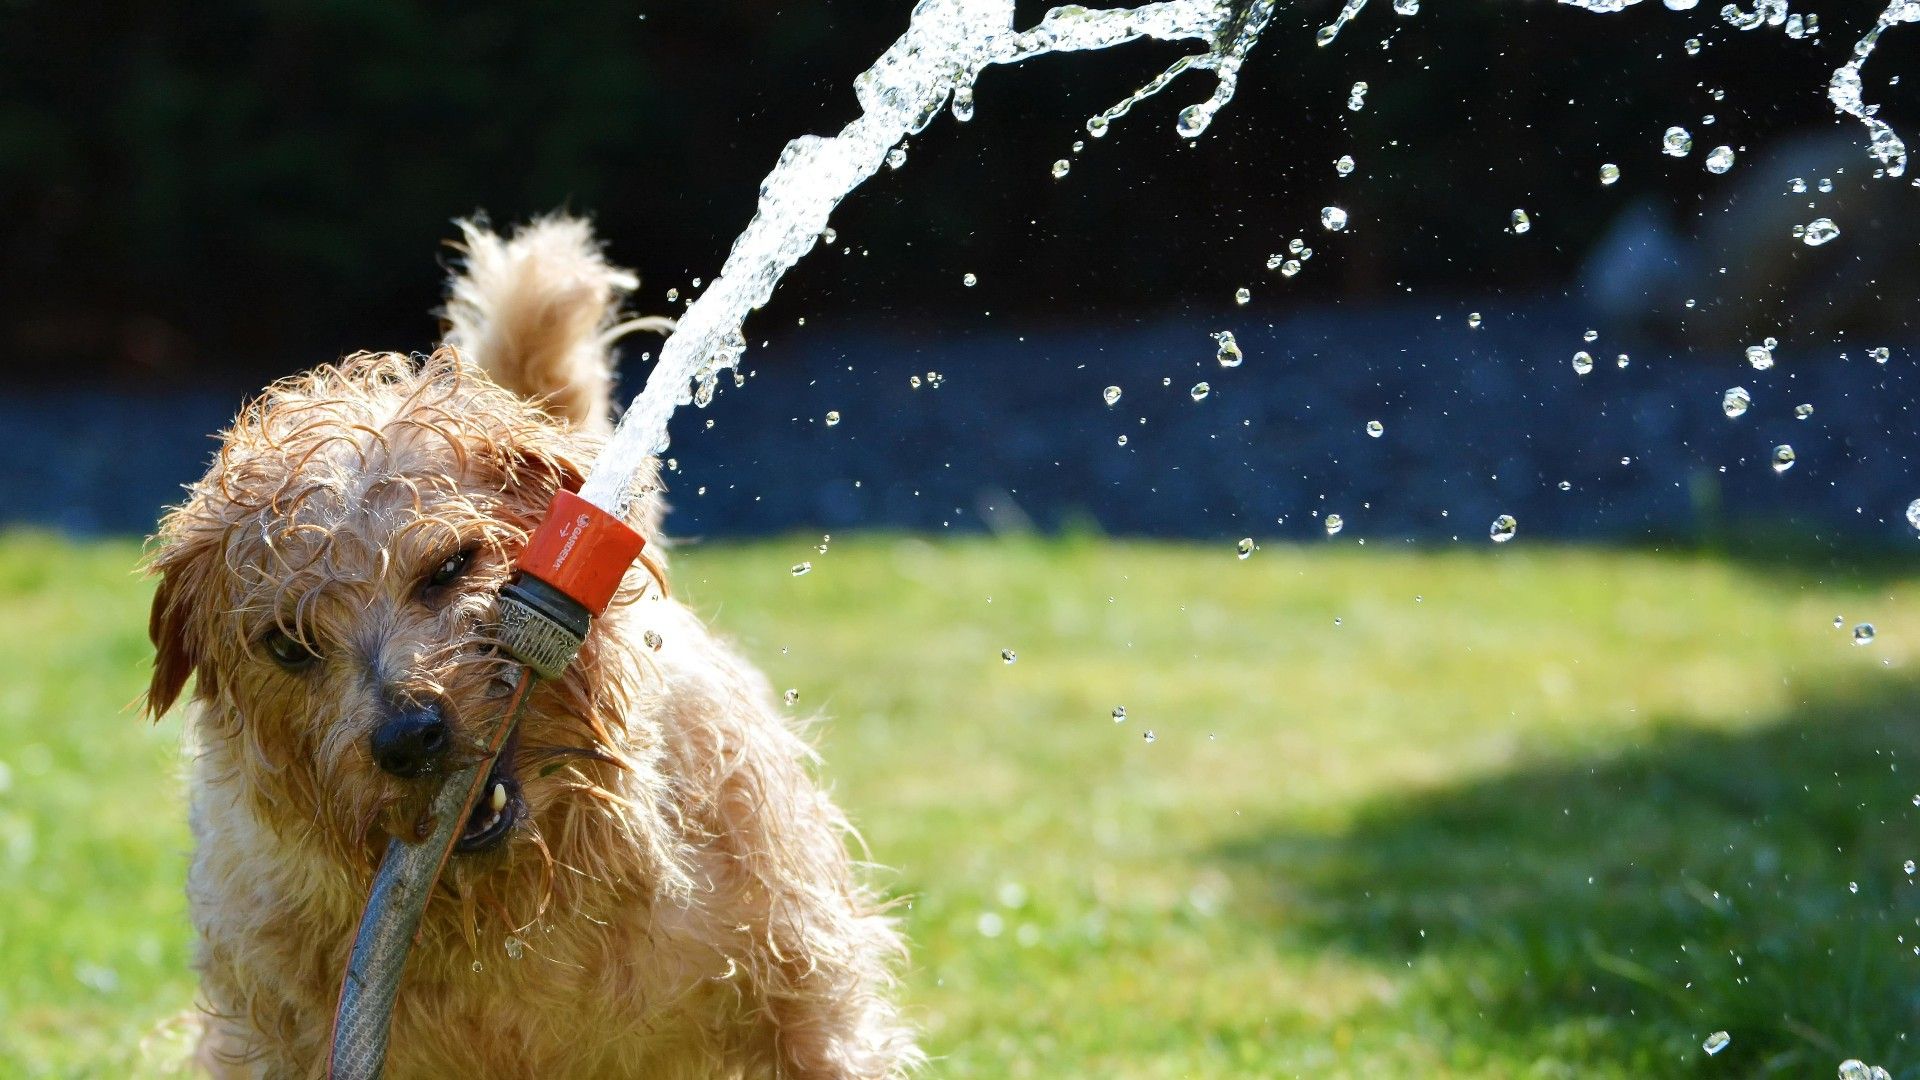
654 886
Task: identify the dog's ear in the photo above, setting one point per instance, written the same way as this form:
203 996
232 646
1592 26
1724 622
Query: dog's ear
174 654
177 648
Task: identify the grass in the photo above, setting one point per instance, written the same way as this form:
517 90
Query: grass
1507 812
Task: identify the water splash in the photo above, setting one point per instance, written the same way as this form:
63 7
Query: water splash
933 66
948 43
1884 145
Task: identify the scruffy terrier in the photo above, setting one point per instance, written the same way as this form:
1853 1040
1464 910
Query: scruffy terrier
655 885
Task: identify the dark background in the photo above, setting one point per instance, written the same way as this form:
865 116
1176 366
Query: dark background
198 198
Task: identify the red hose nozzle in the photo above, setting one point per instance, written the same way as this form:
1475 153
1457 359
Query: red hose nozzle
565 577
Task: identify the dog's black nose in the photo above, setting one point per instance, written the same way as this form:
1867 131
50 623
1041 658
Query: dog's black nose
413 742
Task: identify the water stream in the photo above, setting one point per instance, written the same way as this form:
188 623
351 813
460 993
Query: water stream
934 64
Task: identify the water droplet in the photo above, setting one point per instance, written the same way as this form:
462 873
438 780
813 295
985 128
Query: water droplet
1193 120
1245 547
1111 395
1801 412
1473 320
1913 513
1521 222
828 236
672 295
1582 362
1719 159
963 103
1692 44
1855 1069
478 966
1241 296
1863 634
1760 356
653 640
1200 391
1566 485
1503 528
1716 1042
1357 97
1290 268
802 568
1122 440
1590 336
1880 354
1826 185
1375 428
1677 142
1097 126
1333 218
896 157
1782 458
1008 656
1910 867
1406 7
1853 887
792 696
1119 714
1147 735
1609 174
1228 352
833 417
1344 165
969 281
1819 231
1061 168
514 948
1735 401
913 381
1622 361
1334 524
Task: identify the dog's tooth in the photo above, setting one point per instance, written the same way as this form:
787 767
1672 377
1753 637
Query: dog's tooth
499 797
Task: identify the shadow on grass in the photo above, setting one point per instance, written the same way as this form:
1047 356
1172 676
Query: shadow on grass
1567 917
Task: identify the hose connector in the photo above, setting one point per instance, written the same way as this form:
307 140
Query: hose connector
564 578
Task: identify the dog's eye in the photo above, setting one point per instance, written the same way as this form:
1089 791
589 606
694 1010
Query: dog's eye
450 569
287 652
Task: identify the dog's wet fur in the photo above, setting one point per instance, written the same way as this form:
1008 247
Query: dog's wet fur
667 892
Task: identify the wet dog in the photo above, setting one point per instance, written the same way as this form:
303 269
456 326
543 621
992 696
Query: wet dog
654 885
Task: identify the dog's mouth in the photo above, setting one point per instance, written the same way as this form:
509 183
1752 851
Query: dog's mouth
499 809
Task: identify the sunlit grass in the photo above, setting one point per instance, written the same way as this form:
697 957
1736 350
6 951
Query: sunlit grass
1477 811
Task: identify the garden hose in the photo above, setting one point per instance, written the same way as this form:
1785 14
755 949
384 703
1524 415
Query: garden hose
563 579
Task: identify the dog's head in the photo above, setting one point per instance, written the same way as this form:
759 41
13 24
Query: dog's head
330 584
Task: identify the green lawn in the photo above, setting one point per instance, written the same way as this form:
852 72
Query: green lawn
1475 811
